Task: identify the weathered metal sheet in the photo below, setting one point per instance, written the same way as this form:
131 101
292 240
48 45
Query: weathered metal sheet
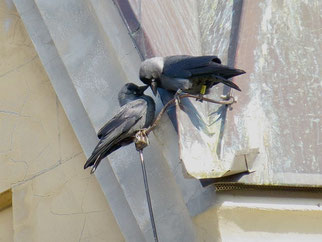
278 114
200 125
276 123
199 141
280 109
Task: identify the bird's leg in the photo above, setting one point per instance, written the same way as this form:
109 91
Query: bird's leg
202 92
177 95
141 139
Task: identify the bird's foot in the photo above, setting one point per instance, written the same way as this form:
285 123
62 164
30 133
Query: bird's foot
199 98
202 92
141 139
177 95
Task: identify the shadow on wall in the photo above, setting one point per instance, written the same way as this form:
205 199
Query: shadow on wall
233 41
207 225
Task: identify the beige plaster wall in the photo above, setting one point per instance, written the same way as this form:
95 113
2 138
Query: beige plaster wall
250 224
6 226
54 199
262 216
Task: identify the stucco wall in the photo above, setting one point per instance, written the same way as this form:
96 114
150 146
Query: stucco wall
54 199
258 224
6 227
262 216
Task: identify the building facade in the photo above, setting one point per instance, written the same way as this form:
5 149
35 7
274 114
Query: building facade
61 66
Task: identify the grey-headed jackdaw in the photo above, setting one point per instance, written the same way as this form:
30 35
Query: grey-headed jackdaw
136 113
191 74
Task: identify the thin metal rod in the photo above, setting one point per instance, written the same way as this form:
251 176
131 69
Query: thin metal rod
145 179
147 131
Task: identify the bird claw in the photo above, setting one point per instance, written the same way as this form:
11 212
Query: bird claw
202 92
177 95
141 139
200 98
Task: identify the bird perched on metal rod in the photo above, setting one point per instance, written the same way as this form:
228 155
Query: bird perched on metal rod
136 113
190 74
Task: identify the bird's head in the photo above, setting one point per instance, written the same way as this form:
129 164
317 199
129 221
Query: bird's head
130 92
151 71
132 89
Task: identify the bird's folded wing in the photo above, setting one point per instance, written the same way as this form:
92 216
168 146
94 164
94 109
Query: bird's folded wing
133 109
117 134
181 66
120 127
217 69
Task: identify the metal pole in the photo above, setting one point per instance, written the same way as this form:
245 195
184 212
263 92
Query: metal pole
155 235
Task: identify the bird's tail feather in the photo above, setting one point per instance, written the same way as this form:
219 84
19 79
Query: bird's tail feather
231 84
229 72
97 162
228 83
91 161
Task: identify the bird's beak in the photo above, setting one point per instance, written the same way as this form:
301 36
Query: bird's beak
154 87
229 72
142 89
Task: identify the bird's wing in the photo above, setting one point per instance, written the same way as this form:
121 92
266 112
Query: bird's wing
124 130
187 66
121 126
131 109
217 70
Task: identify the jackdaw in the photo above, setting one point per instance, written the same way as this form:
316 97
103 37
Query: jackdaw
190 74
136 113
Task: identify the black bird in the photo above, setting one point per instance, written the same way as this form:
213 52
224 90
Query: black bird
191 74
131 92
136 113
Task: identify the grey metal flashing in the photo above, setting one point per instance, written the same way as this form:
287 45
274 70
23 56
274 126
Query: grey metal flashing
87 53
77 115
